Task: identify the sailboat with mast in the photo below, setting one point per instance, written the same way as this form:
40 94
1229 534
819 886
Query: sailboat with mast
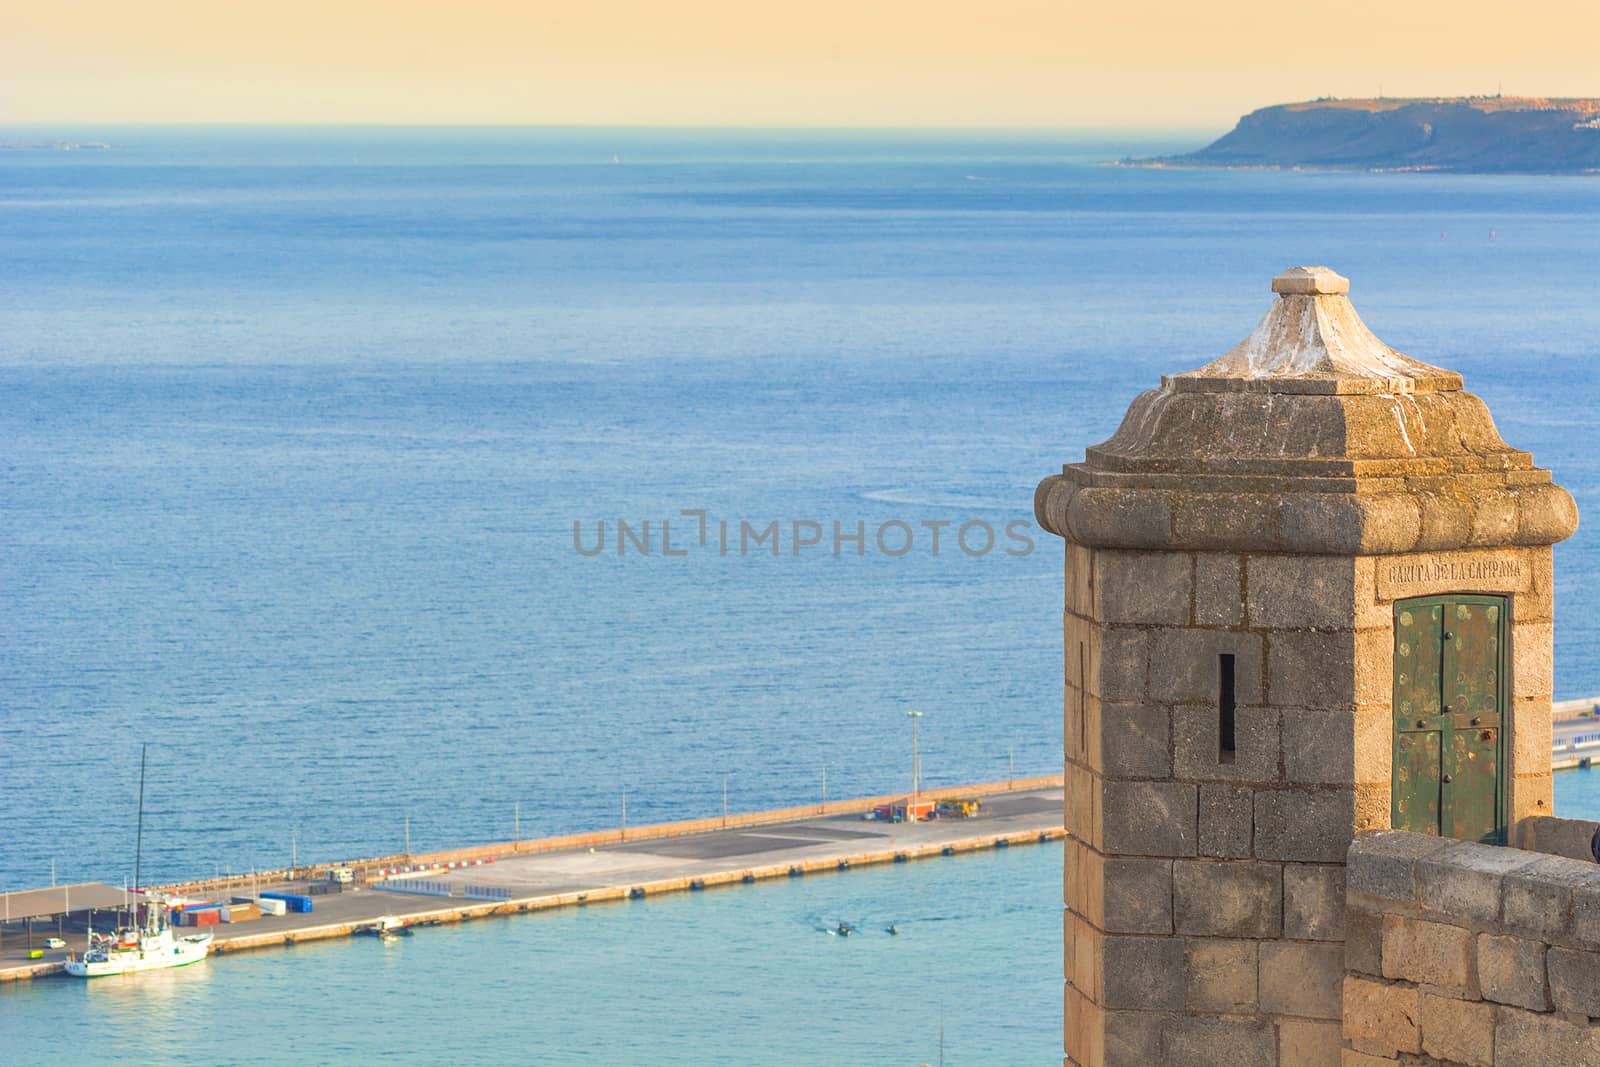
148 944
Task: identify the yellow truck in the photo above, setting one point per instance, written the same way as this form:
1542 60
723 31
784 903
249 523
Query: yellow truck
959 807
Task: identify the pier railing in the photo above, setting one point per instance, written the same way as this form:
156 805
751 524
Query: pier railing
420 887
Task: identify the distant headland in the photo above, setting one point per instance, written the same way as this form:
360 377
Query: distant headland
1468 135
59 146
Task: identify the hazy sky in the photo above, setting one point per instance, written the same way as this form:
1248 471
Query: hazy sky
776 62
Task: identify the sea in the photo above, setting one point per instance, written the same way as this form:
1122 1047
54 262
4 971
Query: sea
390 488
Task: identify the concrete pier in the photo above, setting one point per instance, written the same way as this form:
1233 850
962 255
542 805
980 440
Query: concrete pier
1574 733
527 876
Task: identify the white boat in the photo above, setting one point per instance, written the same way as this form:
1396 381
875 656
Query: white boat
387 927
148 945
139 949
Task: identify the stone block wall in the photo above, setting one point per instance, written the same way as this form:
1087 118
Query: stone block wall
1461 953
1205 887
1573 838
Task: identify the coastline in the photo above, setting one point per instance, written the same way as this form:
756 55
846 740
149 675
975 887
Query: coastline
1188 164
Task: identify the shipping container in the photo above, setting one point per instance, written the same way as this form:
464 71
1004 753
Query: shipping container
190 914
295 901
239 913
272 907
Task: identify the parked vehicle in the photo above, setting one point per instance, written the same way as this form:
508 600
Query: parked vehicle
959 807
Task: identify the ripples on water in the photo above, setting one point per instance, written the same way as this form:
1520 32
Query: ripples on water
297 424
1578 794
742 975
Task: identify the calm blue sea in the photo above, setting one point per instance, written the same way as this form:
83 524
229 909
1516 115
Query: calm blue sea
296 425
737 976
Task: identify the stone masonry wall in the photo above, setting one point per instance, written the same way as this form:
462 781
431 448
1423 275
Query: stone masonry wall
1573 838
1461 953
1204 889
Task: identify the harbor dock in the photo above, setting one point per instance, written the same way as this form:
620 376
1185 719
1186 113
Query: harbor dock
595 868
1574 733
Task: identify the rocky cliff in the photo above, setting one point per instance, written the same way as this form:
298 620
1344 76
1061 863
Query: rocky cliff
1468 135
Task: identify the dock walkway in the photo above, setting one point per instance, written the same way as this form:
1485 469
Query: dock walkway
623 870
1574 733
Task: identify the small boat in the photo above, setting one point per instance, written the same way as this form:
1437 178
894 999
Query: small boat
386 927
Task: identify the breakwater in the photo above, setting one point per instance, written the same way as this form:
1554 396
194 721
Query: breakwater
611 894
365 868
617 865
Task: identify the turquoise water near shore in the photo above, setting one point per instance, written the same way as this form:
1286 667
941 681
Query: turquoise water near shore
1578 793
739 975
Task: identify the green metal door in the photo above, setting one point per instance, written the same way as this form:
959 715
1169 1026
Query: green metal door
1449 716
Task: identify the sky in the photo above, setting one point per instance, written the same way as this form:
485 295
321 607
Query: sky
928 63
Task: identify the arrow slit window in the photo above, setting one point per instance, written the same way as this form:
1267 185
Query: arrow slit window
1225 708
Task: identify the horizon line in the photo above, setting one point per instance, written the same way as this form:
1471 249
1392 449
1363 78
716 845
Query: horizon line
663 126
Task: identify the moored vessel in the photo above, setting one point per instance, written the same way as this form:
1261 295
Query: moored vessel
148 947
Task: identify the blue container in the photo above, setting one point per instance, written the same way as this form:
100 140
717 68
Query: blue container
294 901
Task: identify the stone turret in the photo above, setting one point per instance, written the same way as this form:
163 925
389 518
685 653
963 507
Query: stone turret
1308 593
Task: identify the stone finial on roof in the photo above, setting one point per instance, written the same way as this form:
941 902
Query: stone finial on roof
1312 341
1310 281
1309 436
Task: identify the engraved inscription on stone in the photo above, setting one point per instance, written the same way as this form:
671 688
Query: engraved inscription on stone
1406 576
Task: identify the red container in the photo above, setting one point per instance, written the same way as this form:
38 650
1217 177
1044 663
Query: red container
207 917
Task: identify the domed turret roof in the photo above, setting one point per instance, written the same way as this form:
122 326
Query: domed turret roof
1312 341
1309 435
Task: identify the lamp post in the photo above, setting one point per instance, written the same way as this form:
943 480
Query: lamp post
724 800
916 769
